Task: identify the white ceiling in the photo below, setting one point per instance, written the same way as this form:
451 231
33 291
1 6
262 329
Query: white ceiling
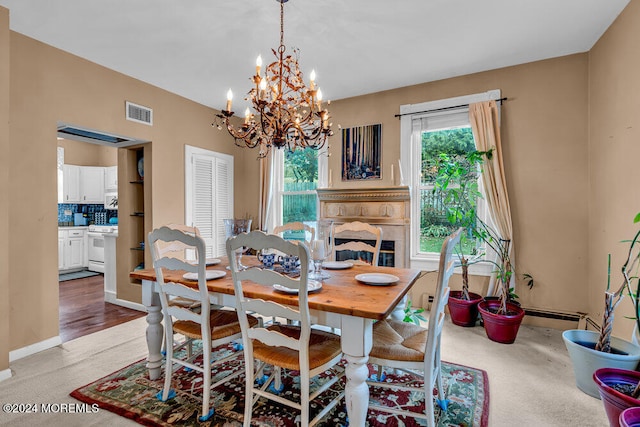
199 49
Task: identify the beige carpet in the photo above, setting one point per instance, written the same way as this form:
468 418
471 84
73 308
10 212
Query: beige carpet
531 381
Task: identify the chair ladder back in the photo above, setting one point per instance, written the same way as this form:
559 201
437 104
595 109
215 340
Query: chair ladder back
359 230
436 315
258 240
296 226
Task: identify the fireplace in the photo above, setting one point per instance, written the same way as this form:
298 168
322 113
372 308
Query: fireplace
387 208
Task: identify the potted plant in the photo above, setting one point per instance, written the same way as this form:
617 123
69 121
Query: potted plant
619 389
457 182
592 350
502 316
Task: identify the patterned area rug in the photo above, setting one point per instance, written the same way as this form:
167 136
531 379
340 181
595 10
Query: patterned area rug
130 393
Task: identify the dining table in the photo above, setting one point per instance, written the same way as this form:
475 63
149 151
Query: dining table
343 302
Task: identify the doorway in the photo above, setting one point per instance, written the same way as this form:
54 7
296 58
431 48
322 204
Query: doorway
87 173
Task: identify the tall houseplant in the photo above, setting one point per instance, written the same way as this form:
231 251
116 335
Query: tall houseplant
592 350
457 181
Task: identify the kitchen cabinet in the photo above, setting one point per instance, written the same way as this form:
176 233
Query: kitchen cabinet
72 249
92 184
83 184
71 184
111 179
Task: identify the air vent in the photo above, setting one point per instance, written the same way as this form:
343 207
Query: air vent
138 113
78 133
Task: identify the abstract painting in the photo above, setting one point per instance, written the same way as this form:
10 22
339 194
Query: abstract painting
361 152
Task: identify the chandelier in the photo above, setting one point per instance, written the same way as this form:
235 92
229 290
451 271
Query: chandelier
288 114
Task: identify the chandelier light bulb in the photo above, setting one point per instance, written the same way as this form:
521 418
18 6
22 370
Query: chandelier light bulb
258 64
247 115
229 98
312 79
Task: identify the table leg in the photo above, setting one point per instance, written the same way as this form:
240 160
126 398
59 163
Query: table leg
356 391
356 343
155 330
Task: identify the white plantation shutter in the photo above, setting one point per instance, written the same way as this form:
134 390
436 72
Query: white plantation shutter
209 195
223 201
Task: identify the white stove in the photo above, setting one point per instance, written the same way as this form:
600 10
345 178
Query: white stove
96 245
103 229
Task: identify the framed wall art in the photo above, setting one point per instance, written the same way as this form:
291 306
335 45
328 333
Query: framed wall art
361 152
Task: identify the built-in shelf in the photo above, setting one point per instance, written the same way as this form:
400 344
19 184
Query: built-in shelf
139 248
137 214
139 181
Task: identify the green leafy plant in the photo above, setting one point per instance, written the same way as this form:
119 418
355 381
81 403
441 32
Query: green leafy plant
413 315
456 178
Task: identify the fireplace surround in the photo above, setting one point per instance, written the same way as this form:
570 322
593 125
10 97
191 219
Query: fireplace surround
387 207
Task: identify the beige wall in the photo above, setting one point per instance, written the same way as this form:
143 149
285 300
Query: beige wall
614 150
5 159
544 137
88 154
48 85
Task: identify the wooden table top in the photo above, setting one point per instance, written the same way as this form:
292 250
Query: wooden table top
341 293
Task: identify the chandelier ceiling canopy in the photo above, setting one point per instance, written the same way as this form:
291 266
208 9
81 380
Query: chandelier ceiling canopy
286 113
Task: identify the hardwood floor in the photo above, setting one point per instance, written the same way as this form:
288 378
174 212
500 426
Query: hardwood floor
84 311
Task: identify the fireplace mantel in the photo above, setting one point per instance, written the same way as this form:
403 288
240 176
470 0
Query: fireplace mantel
388 208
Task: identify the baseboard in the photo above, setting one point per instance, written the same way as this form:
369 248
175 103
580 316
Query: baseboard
5 375
111 298
34 348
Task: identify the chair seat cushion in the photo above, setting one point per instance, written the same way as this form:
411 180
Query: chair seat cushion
323 347
397 340
224 323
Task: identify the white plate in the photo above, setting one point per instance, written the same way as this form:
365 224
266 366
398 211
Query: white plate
313 287
210 274
212 261
377 278
337 265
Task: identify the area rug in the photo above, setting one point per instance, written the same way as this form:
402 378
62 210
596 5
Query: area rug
130 393
76 275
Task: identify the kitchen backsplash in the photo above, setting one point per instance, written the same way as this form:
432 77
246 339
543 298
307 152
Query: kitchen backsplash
94 214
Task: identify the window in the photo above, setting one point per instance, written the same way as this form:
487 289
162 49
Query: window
297 174
430 131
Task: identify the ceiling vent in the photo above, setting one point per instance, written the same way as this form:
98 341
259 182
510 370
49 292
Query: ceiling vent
77 133
138 113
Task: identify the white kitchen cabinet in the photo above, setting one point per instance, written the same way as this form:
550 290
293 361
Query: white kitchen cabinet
71 184
83 184
92 184
72 249
111 179
61 242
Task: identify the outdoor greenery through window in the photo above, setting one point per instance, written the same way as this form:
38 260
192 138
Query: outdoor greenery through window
445 152
299 200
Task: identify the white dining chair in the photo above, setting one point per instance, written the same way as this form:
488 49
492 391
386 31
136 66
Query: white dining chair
296 348
309 231
213 327
355 233
413 349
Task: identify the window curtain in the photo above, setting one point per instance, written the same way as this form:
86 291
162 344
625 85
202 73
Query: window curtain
266 190
485 125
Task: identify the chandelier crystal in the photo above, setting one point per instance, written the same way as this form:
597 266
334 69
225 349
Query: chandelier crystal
288 114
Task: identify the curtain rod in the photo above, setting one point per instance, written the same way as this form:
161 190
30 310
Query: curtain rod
445 108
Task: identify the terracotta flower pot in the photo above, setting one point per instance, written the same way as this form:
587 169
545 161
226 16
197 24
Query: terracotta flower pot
614 401
463 312
630 417
500 327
